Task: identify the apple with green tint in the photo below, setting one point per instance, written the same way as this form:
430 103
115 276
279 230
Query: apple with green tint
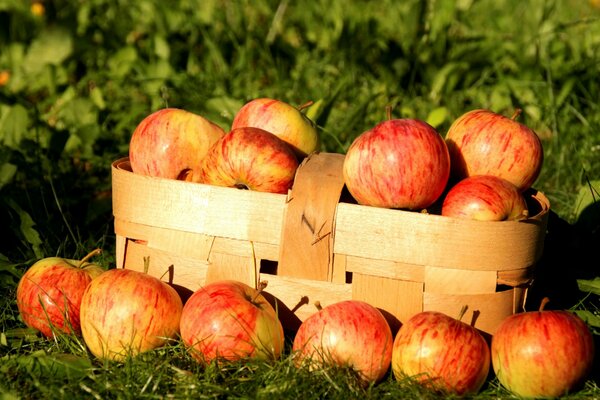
49 293
282 119
542 354
126 312
399 163
348 333
169 143
249 158
230 320
485 198
482 142
441 353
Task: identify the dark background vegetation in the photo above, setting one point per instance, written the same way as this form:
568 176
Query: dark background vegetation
77 76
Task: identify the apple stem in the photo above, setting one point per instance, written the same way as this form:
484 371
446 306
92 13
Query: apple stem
388 112
91 254
261 286
318 305
146 264
305 105
545 301
516 114
462 312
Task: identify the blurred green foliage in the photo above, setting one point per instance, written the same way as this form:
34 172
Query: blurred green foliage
77 76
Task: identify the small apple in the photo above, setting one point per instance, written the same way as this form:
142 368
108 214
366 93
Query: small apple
230 320
399 163
485 198
348 333
442 353
126 312
169 143
482 142
283 120
50 291
544 353
249 158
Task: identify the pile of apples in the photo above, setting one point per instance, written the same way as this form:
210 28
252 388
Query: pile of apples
480 170
121 313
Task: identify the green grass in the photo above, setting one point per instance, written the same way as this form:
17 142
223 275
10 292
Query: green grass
76 79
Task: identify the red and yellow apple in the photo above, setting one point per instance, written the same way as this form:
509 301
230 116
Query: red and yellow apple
349 333
230 320
169 143
442 353
482 142
50 291
249 158
542 354
126 312
281 119
485 198
399 163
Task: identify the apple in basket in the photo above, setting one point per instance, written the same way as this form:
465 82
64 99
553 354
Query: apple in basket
482 142
544 353
399 163
250 158
442 353
126 312
285 121
169 143
485 198
49 293
229 320
348 333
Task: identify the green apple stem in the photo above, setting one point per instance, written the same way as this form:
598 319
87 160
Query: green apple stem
388 112
516 114
543 303
318 305
261 286
91 254
305 105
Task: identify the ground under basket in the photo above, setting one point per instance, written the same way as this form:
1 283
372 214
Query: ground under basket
313 245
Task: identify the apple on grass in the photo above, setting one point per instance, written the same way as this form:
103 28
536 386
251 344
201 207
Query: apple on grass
482 142
442 353
544 353
250 158
283 120
485 198
349 333
230 320
399 163
169 143
126 312
49 293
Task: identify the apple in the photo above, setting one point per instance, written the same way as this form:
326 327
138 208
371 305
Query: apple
126 312
441 353
229 320
350 333
169 143
485 198
399 163
283 120
49 293
482 142
544 353
250 158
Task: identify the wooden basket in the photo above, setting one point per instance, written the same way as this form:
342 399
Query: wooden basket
312 244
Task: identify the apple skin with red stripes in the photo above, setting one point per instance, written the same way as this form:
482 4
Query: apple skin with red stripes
482 142
441 353
398 163
485 198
